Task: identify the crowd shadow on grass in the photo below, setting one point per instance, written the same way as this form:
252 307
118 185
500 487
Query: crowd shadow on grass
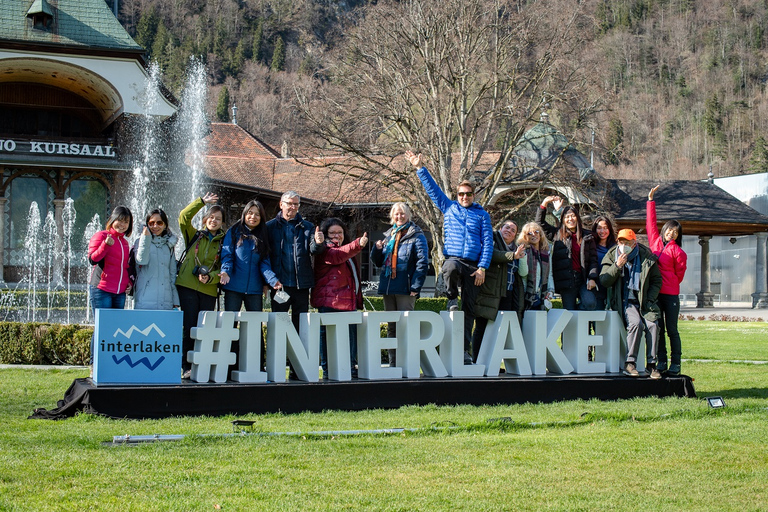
738 393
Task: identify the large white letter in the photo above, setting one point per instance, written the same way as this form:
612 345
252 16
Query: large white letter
614 339
418 335
249 365
337 342
540 331
576 341
503 340
213 354
370 344
283 340
452 347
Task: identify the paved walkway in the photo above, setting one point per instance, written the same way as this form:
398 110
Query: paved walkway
757 315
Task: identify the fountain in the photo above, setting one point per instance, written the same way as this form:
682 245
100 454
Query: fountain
167 165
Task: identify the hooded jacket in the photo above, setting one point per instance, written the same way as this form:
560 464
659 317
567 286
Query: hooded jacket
467 232
611 277
205 251
336 285
114 276
673 261
155 286
247 269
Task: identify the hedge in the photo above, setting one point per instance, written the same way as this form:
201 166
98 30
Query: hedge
41 343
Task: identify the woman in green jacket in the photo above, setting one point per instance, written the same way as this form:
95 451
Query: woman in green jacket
198 277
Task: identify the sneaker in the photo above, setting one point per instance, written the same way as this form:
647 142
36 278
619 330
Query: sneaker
631 370
662 366
186 375
453 305
655 374
674 370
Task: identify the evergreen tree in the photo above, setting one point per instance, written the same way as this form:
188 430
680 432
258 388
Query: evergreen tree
147 28
615 141
160 48
758 162
278 56
257 52
238 59
713 116
222 107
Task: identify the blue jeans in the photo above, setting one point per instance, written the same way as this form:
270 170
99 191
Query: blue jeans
670 311
103 300
324 347
233 301
586 298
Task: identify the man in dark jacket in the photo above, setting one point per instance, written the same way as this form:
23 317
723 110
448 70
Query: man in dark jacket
293 241
633 280
467 245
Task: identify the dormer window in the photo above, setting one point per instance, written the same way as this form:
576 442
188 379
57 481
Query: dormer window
41 14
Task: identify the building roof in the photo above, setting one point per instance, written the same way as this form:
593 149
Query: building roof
235 156
702 208
75 23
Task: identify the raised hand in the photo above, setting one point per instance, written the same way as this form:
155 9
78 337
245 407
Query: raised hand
416 160
319 236
210 198
364 239
145 231
557 202
109 240
653 191
520 251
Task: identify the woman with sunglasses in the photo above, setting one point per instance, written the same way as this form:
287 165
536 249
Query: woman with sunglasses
538 282
198 277
605 238
575 269
154 252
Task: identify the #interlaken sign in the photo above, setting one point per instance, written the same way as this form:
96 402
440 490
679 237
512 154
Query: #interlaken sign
137 347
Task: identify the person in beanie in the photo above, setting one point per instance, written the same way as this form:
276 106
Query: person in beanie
632 277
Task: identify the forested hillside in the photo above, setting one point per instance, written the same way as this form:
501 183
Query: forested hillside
680 83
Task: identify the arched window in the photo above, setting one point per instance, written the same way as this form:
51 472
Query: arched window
90 198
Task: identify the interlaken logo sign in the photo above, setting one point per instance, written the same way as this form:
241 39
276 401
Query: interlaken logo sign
137 347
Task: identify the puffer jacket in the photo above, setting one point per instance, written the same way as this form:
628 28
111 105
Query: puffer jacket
673 261
155 286
336 286
467 231
495 285
611 277
245 266
561 254
412 262
208 246
292 245
114 276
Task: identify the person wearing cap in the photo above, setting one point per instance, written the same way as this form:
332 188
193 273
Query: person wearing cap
468 244
632 277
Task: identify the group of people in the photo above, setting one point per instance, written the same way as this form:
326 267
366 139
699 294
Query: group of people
286 256
589 269
302 265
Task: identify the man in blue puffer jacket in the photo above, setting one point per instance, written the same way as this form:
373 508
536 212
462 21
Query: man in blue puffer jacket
467 245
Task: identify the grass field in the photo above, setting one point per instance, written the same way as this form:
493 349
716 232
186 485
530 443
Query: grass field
658 454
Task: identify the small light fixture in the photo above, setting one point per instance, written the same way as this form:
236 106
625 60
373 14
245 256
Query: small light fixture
715 402
242 425
732 240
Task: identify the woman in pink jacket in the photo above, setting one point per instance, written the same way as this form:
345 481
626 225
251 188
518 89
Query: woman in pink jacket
109 250
672 262
337 282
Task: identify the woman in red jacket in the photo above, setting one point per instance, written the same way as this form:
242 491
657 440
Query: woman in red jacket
337 282
672 262
109 250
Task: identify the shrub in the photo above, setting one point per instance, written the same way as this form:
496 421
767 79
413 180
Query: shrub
38 343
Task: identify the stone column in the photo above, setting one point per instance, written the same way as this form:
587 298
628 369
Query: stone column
705 296
760 297
3 201
58 263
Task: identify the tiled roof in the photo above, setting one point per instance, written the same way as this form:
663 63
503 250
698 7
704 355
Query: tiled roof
248 172
227 139
83 23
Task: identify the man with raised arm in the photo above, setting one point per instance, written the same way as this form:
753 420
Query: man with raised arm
467 244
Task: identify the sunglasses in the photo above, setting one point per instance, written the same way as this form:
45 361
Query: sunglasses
535 232
466 193
156 223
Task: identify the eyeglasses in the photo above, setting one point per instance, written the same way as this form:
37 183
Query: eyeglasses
155 223
466 193
292 205
535 232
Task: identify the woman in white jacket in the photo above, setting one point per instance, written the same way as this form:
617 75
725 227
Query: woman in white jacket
155 256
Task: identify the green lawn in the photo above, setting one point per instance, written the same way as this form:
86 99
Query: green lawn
659 454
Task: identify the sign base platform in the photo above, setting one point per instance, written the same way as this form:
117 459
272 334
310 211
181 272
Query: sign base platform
193 399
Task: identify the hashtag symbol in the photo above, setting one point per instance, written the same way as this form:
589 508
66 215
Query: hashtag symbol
213 354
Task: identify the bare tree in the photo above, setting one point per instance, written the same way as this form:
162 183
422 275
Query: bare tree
455 80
